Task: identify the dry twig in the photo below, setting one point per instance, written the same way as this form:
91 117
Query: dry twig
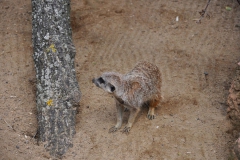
202 13
8 124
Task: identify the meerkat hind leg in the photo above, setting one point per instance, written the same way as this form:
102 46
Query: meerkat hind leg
131 119
120 109
152 105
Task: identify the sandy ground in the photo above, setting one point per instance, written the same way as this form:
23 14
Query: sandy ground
197 62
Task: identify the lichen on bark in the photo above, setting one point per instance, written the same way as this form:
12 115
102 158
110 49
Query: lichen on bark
58 92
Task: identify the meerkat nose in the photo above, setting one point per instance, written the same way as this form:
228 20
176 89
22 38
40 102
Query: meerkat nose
93 80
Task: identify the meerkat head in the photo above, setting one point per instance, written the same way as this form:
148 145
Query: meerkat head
109 81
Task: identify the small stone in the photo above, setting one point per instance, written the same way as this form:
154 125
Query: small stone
17 147
119 11
177 18
237 25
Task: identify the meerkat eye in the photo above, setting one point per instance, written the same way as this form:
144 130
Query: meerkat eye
112 88
101 80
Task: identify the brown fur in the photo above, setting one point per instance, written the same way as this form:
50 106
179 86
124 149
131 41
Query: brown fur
139 87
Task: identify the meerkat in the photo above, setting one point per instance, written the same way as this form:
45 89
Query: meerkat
138 88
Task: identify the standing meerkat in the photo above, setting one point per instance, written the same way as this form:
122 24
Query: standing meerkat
139 87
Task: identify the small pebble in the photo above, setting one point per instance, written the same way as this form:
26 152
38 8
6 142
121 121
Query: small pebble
177 18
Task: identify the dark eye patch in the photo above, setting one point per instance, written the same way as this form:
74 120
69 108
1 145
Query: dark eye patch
101 80
112 88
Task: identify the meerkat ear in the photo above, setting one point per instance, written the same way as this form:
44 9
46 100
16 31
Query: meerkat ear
135 85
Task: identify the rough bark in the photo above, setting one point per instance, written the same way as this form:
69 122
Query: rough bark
233 110
58 92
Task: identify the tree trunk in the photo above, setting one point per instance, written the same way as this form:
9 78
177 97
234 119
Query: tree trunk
233 109
58 92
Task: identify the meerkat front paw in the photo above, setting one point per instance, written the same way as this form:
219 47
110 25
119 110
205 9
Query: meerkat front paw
113 129
126 109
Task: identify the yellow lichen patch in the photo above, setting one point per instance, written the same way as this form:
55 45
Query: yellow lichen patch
50 102
52 48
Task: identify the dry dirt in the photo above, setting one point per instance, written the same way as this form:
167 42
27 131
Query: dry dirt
197 62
